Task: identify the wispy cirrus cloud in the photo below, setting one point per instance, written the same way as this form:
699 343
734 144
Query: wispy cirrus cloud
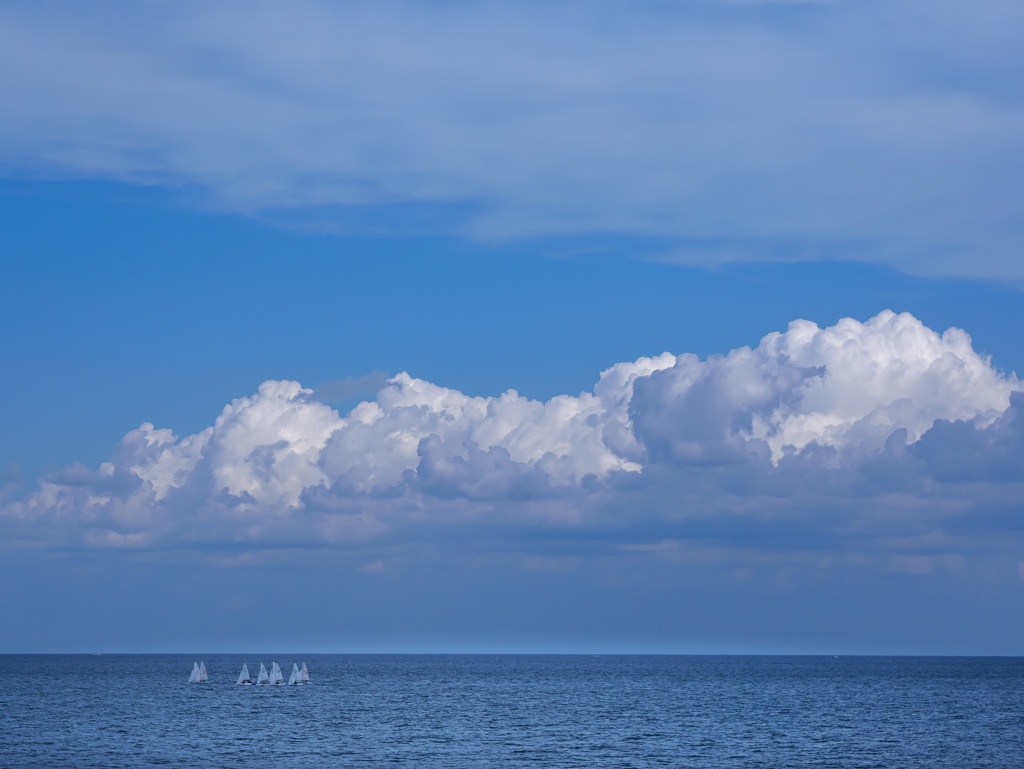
721 130
880 442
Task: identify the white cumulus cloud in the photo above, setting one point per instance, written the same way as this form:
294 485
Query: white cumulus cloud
847 387
825 412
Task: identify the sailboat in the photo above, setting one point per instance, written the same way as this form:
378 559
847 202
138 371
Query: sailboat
243 677
262 678
275 674
198 675
298 676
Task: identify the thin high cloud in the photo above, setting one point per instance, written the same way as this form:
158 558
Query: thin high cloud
861 441
885 131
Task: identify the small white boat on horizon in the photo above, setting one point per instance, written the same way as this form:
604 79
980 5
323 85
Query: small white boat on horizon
198 675
262 678
276 677
298 676
243 678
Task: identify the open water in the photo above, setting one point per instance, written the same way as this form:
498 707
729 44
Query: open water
471 711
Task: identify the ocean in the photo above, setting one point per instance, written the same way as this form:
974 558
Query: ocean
471 711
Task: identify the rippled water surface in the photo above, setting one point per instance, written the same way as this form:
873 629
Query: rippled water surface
508 711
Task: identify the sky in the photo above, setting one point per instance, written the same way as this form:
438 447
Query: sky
549 327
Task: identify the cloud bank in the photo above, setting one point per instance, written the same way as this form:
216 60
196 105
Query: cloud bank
888 131
882 436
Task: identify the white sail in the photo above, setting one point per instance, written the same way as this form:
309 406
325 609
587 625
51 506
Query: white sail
202 673
275 674
296 676
304 674
194 677
243 677
262 678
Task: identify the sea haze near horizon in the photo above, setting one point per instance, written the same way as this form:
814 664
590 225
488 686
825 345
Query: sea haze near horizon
515 710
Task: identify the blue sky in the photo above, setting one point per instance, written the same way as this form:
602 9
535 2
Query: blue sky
202 203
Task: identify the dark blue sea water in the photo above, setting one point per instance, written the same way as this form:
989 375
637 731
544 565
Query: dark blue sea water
512 711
